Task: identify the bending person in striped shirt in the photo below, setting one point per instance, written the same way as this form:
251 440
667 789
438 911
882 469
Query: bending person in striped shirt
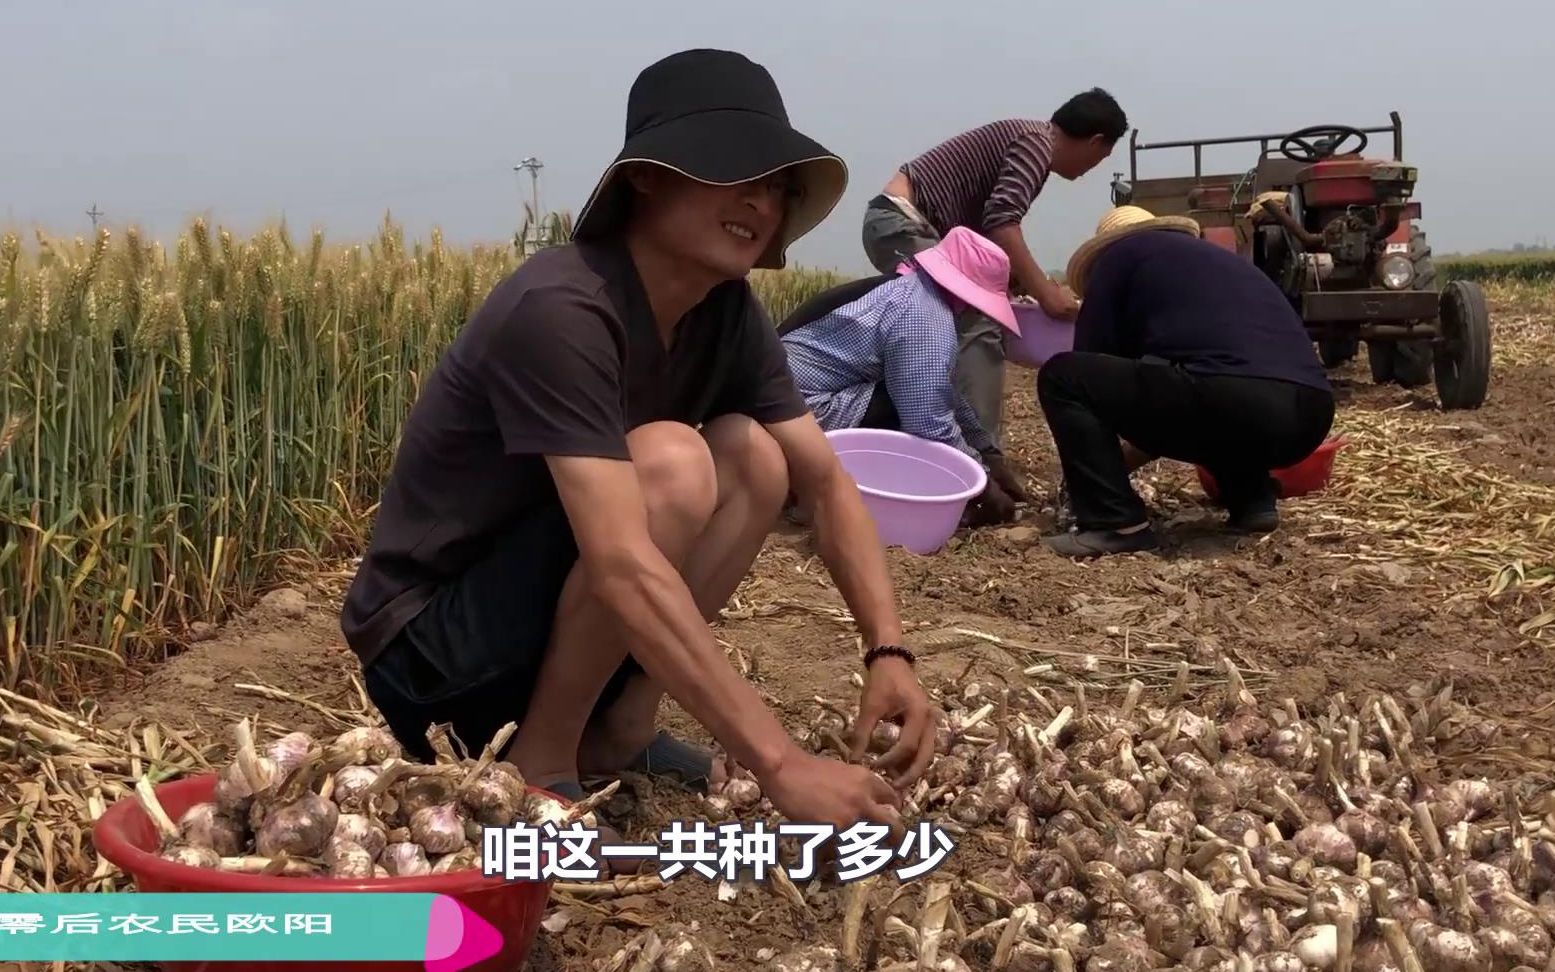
986 180
885 356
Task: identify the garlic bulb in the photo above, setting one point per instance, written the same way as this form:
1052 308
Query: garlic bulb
1317 946
299 829
1049 869
496 798
360 830
1068 903
1122 798
419 793
1278 962
1171 817
405 860
352 784
971 808
288 752
949 771
438 829
1368 833
464 859
743 794
1132 852
1448 950
348 860
205 825
235 791
1326 844
366 746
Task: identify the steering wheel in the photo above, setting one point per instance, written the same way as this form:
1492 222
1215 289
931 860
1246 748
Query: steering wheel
1328 139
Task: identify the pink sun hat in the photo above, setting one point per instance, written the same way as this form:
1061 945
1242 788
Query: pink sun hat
973 268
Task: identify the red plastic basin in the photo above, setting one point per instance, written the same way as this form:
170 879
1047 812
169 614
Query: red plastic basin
1307 476
125 836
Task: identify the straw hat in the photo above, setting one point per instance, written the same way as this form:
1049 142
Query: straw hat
1118 223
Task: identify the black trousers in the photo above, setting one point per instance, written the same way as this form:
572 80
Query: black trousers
472 656
1237 428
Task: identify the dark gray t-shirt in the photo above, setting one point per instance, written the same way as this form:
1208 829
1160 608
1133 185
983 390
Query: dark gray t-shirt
563 358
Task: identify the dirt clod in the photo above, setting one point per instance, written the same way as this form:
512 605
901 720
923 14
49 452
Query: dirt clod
285 602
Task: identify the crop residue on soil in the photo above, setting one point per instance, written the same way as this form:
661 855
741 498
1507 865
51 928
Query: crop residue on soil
1316 609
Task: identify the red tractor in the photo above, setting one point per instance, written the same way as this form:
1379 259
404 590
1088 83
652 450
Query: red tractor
1339 234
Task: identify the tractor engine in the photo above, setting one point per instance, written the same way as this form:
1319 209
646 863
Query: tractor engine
1338 227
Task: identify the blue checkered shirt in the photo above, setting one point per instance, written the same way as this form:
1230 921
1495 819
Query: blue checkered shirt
903 333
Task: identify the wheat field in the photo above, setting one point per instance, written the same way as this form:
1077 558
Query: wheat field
180 427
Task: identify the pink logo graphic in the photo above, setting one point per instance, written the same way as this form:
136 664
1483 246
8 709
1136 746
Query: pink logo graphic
457 937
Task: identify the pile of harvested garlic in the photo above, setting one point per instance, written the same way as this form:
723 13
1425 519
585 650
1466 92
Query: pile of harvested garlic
351 807
1245 839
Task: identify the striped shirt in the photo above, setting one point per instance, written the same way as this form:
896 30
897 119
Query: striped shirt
902 334
983 178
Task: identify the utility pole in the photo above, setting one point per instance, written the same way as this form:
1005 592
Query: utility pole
94 212
534 166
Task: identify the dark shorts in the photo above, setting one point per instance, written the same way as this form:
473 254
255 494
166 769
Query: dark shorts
472 656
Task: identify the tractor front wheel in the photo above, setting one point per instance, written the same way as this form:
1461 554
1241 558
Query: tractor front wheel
1463 354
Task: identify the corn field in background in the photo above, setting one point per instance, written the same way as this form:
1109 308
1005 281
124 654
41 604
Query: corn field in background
178 430
1491 267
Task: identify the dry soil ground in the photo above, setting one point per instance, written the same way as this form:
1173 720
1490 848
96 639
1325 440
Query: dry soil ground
1376 584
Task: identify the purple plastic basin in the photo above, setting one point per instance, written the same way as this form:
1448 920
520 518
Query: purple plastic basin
1040 338
915 490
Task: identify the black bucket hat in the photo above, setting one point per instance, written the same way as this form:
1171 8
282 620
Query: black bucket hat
717 117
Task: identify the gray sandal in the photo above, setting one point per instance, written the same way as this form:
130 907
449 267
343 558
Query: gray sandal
675 759
1100 543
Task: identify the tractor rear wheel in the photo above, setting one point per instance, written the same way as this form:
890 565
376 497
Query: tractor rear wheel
1463 356
1334 352
1404 363
1407 363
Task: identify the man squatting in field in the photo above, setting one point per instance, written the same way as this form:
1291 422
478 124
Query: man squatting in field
592 468
986 179
1182 350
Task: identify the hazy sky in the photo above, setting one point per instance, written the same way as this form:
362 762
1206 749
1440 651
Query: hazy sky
332 112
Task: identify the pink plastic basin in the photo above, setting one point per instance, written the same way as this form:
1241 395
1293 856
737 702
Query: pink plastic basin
915 489
1040 338
125 836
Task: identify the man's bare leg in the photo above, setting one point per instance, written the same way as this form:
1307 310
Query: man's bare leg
711 500
680 490
752 484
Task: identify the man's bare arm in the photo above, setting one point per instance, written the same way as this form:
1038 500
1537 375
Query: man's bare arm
668 634
1023 266
845 533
